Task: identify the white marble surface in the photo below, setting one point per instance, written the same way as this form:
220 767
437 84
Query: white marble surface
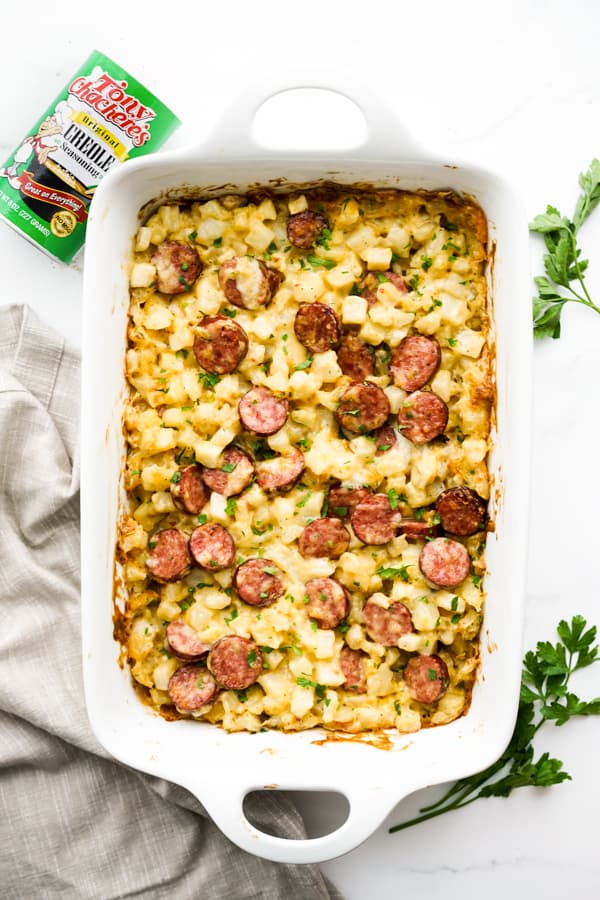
515 87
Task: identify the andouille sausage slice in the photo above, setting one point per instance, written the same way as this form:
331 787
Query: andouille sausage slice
168 557
324 537
304 228
177 267
422 417
262 412
258 582
327 601
233 475
191 688
353 670
280 473
385 439
220 344
212 547
236 662
317 327
355 359
387 625
415 361
371 282
461 511
363 407
444 563
426 678
344 500
374 521
183 641
187 488
248 283
417 530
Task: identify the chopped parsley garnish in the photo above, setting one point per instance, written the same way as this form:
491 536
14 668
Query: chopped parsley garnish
202 519
218 242
175 477
230 506
393 498
304 365
228 467
317 261
452 341
230 313
397 707
251 657
307 683
234 615
209 380
426 262
242 696
393 572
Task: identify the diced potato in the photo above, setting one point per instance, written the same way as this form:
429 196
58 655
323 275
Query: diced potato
354 310
259 236
377 258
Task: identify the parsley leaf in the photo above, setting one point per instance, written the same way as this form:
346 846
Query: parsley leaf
563 264
545 697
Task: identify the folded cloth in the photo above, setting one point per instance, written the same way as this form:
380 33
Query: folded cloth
74 823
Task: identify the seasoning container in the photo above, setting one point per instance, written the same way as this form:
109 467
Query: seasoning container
102 118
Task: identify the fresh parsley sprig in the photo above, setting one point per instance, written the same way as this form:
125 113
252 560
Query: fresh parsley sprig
563 264
545 697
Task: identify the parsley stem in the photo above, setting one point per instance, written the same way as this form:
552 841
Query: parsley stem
432 815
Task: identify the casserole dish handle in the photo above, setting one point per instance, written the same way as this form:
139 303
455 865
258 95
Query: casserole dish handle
386 137
367 810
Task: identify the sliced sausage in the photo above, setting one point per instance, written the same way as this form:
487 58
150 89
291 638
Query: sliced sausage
415 361
444 563
168 558
387 626
177 267
363 407
248 283
191 688
317 327
183 641
355 358
461 511
371 282
351 662
236 662
426 678
262 412
374 521
220 344
304 228
188 489
385 439
324 537
212 547
416 530
327 601
258 583
281 473
422 417
233 475
343 501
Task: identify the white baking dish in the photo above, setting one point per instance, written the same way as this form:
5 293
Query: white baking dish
222 768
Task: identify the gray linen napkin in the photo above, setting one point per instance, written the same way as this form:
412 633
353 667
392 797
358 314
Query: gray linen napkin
74 823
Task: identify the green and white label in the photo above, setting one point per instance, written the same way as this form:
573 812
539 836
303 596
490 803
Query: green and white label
102 118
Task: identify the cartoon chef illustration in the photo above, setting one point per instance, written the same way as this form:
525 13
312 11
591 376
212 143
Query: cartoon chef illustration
45 142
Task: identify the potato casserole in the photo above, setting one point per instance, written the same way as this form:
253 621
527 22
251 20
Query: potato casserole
308 426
